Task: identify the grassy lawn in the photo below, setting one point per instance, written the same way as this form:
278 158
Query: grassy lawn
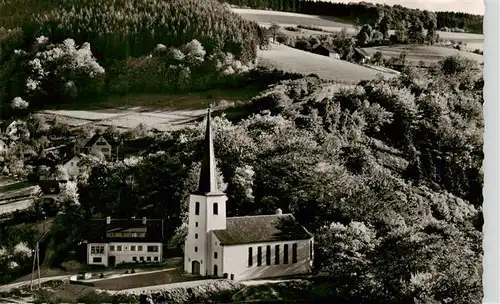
142 280
152 101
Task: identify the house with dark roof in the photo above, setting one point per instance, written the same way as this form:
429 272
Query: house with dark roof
360 56
97 145
240 248
326 50
116 241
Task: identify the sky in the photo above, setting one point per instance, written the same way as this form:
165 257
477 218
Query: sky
466 6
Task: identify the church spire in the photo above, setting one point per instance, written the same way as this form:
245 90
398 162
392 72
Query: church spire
208 182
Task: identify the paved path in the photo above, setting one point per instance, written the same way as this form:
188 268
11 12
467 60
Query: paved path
8 287
66 277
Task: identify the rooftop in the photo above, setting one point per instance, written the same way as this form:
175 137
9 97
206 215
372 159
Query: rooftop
261 229
125 230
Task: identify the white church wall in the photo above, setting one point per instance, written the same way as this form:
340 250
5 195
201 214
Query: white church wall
197 245
217 256
236 260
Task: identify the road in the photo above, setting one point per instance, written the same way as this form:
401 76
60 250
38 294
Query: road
8 287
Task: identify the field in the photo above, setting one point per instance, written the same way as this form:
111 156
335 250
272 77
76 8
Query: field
294 60
14 195
427 54
161 111
265 18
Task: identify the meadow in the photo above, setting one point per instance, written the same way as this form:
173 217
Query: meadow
265 18
425 53
293 60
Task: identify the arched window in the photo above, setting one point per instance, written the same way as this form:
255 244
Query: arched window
197 208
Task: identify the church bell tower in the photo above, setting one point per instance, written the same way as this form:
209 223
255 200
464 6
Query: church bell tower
207 212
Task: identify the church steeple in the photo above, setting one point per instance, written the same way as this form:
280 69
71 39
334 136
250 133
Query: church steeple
208 181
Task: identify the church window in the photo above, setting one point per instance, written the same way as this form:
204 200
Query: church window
197 208
196 224
215 255
195 249
294 253
196 235
259 256
285 254
310 249
250 256
268 255
216 208
277 254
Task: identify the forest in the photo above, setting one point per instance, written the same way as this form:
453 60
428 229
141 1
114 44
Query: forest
366 13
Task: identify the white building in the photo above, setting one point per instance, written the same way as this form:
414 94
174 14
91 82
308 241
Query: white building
72 167
4 148
96 145
116 241
240 248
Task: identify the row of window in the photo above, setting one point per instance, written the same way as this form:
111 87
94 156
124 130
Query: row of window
126 234
197 208
96 249
100 249
276 255
132 248
99 259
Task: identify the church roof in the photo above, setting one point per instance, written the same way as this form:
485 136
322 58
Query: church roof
208 183
261 229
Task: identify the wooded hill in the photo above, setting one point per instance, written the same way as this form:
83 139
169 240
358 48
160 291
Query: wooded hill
118 29
366 13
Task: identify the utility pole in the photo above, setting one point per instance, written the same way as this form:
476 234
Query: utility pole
36 259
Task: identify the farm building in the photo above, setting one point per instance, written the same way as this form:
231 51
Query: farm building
326 50
240 248
360 55
116 241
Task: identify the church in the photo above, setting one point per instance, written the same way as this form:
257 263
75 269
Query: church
243 247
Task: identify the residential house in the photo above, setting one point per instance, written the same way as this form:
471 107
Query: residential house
72 167
116 241
50 189
240 248
326 50
97 144
4 148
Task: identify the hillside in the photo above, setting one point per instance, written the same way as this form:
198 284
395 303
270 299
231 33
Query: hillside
293 60
426 53
367 13
117 29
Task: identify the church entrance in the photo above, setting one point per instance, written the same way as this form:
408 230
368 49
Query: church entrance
195 267
216 273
